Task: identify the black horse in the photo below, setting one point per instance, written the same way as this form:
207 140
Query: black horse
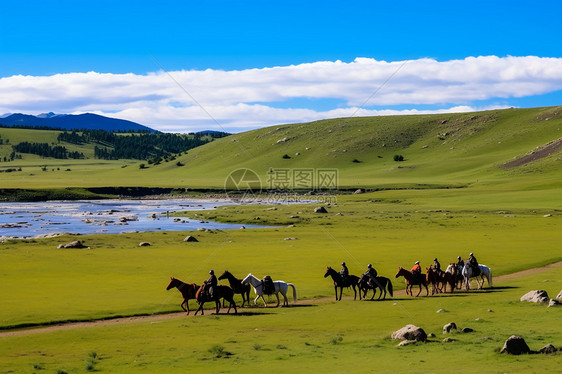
350 281
237 286
382 283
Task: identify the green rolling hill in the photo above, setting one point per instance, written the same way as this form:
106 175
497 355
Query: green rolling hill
441 150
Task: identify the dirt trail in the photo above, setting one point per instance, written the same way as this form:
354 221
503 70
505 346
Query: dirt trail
161 317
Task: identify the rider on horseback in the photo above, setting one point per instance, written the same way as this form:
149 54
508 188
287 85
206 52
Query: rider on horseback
416 270
268 286
474 264
436 265
211 283
371 273
460 262
344 272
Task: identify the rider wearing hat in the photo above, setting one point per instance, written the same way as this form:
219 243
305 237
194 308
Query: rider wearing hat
436 265
344 272
460 262
371 273
416 270
474 264
211 283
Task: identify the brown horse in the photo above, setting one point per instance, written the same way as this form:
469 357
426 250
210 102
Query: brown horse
220 292
435 278
411 281
237 286
350 281
382 283
187 290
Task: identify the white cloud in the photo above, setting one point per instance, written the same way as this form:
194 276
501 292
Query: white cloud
238 99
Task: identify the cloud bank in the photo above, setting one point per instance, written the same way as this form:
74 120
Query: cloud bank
183 101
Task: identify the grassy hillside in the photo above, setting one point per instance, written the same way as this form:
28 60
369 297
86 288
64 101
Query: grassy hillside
445 149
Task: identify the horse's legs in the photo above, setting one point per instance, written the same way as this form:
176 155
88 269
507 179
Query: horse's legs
354 293
277 296
200 309
420 291
336 289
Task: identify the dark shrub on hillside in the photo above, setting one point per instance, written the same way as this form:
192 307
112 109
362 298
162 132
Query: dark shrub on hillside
398 158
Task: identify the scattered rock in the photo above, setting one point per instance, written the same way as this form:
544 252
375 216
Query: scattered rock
547 215
431 335
242 227
441 311
536 296
515 345
448 340
290 226
467 329
290 239
144 244
257 218
128 218
490 311
74 244
553 302
282 140
549 348
410 332
190 238
320 210
405 342
448 327
359 191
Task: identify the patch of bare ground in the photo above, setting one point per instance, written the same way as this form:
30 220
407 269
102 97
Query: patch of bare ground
536 154
155 318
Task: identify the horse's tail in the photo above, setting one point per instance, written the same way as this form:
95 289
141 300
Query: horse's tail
390 288
294 290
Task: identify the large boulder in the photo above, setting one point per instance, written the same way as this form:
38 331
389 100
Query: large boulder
410 332
536 296
320 210
448 327
144 244
515 345
190 238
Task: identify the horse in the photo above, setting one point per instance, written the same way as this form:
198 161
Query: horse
435 278
279 286
350 281
237 286
467 273
454 274
382 283
220 292
187 290
410 281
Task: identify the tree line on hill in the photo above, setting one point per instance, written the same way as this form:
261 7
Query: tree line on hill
140 144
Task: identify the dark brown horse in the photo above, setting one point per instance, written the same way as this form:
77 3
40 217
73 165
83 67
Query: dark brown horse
382 283
187 290
220 292
412 280
237 286
435 278
350 281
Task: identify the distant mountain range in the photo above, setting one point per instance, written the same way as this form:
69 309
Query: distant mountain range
71 121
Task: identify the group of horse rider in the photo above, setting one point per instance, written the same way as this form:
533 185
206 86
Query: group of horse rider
416 269
211 282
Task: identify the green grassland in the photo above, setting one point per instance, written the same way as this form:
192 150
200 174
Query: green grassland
448 198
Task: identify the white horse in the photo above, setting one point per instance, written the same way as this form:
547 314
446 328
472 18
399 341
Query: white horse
280 286
484 272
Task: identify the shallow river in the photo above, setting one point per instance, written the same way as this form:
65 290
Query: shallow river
25 220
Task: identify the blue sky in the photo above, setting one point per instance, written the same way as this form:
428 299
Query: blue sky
56 38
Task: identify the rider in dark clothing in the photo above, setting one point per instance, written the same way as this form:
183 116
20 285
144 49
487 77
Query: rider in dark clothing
460 262
436 265
344 272
211 283
474 264
371 273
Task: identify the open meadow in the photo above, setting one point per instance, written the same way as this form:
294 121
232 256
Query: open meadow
449 197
